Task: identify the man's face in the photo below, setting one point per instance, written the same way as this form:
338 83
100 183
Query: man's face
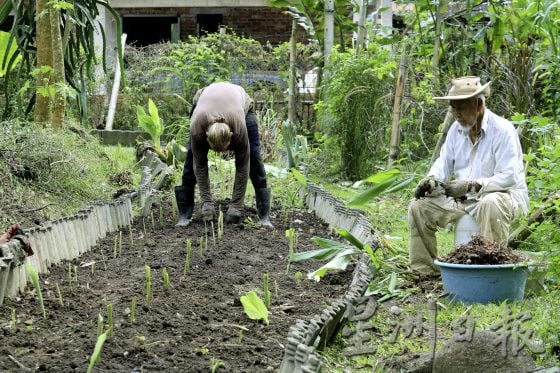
465 112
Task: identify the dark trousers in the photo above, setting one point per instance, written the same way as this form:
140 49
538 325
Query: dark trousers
257 173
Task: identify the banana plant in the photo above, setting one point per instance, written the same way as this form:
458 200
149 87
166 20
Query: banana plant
339 254
151 122
383 182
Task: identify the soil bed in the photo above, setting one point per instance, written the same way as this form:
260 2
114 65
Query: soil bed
481 251
196 322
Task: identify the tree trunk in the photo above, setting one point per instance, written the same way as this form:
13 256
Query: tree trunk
115 90
437 42
395 128
328 46
44 59
292 116
447 122
361 34
59 99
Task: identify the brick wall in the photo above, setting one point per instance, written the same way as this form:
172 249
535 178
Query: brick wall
262 24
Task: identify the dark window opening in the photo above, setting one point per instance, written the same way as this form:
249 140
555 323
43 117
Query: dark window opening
142 31
209 23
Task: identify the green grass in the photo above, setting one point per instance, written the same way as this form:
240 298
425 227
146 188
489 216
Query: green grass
53 174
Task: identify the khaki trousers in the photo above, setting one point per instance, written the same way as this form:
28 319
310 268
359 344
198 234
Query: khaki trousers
492 211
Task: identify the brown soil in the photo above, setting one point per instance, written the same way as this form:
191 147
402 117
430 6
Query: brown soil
194 323
481 251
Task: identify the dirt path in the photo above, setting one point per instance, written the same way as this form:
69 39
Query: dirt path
193 324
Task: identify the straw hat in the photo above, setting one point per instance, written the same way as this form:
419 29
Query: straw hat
465 87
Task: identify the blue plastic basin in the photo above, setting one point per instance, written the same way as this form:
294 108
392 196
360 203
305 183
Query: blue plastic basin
478 283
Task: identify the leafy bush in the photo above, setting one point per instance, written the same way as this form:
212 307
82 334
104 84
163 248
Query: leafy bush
358 108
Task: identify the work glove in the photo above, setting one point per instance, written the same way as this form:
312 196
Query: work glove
456 188
233 215
208 211
425 186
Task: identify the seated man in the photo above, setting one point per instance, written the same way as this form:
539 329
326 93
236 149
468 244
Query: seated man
480 168
223 119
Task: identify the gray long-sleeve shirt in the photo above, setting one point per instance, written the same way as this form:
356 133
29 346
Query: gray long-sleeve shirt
227 103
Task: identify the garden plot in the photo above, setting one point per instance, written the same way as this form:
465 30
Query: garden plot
187 317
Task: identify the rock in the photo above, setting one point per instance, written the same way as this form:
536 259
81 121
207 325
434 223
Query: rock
481 355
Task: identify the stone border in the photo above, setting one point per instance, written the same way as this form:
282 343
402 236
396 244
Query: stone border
306 337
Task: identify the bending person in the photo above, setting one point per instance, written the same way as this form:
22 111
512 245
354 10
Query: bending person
223 119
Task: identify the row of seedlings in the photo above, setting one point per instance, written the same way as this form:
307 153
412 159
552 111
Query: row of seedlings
64 239
305 338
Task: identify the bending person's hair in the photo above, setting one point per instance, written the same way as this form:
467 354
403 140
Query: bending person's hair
219 136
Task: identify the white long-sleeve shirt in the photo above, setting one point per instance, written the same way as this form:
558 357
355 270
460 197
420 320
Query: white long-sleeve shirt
495 160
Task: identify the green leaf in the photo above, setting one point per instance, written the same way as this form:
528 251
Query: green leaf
369 194
322 254
298 176
339 263
254 307
97 351
350 238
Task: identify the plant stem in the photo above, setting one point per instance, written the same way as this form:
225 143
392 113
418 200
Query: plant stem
266 291
59 294
110 318
32 273
132 308
148 285
187 257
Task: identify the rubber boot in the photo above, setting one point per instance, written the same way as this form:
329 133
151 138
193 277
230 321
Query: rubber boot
263 206
185 204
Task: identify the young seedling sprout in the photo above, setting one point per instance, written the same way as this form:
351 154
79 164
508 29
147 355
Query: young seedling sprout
99 324
110 318
275 289
59 294
132 308
220 224
165 278
120 243
75 273
153 221
70 275
13 324
32 273
115 247
292 239
92 268
213 236
144 225
266 291
148 285
215 364
201 246
96 351
187 257
161 216
103 258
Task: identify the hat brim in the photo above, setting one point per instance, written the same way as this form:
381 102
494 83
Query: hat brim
464 97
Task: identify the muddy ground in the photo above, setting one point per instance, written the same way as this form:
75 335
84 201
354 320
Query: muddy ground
193 325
